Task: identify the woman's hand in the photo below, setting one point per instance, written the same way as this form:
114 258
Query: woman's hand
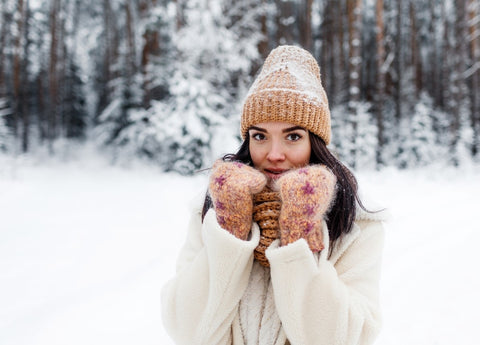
306 195
232 185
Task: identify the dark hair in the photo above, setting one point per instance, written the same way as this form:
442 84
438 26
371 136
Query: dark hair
342 213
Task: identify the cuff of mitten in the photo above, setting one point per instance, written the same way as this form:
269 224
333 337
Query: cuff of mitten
294 253
213 233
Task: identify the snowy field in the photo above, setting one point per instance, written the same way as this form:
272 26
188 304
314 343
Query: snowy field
85 249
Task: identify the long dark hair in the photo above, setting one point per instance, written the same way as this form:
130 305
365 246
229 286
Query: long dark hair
343 211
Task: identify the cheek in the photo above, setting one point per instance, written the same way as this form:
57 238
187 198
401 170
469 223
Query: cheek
256 155
301 157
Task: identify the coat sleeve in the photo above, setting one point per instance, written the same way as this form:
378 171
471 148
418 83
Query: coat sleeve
322 304
200 302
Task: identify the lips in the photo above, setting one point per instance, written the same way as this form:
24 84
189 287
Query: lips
274 173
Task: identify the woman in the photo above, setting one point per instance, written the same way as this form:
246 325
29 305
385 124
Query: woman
317 283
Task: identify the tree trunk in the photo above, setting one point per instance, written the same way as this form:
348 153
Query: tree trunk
342 60
354 9
53 91
474 71
398 64
305 24
150 50
415 52
25 113
285 22
381 71
444 63
129 100
327 59
110 56
431 71
354 45
458 87
263 44
180 10
42 107
18 67
131 51
3 45
64 117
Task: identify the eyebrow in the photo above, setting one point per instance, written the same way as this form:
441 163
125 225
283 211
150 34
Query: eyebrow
294 128
285 130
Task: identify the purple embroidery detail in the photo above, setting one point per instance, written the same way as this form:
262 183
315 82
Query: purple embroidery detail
238 164
221 220
303 171
310 210
220 180
308 228
219 205
308 188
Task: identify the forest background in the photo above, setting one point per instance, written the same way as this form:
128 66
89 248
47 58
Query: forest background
164 79
85 247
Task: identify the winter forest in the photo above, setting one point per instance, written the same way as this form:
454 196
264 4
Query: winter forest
165 79
156 88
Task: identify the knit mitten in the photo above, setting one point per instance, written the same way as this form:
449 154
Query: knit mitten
306 195
232 186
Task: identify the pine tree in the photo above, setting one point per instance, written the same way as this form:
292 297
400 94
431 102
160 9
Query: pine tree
366 139
200 72
75 119
212 65
420 147
5 136
122 81
140 134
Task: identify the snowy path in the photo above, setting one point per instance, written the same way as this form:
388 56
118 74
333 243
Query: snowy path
84 251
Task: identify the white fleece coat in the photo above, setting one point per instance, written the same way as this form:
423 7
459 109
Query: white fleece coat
220 296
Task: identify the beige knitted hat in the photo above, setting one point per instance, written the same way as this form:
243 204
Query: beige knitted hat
288 89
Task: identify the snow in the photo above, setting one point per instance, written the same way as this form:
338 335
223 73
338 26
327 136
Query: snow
85 248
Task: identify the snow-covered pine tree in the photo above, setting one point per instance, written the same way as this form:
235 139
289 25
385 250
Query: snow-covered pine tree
419 146
141 132
201 84
75 113
366 138
463 150
123 83
342 131
73 97
216 50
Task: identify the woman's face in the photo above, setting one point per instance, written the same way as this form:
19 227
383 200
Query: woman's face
276 147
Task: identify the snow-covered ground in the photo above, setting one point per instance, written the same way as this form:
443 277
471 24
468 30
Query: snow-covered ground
85 249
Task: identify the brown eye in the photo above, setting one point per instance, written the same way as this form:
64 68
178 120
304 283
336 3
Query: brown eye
257 136
294 137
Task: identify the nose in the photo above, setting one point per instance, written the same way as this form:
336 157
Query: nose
276 153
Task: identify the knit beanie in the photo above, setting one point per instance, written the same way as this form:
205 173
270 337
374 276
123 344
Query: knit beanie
288 89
